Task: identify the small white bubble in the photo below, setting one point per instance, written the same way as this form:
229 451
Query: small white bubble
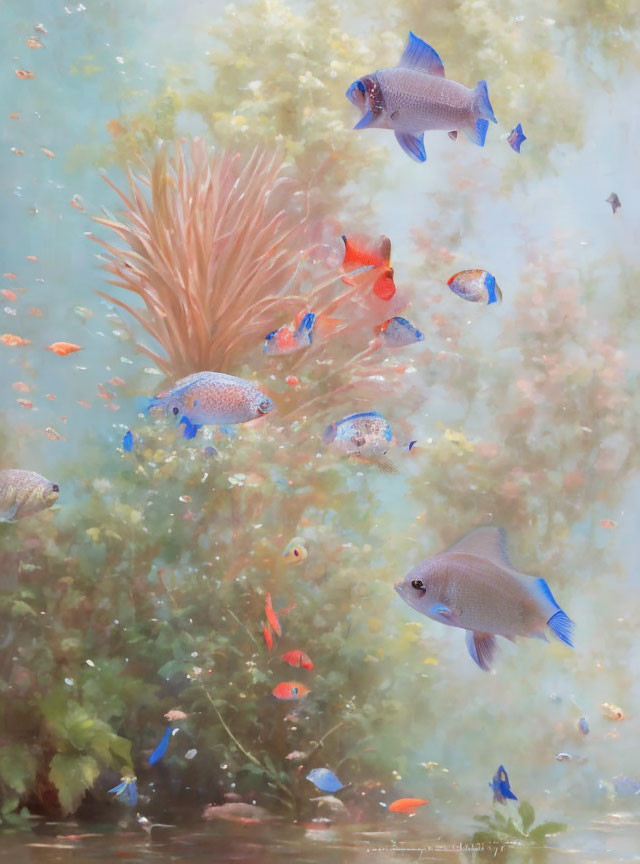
68 682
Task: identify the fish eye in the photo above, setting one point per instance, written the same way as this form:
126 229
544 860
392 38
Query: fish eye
418 584
294 691
176 410
263 407
55 488
296 552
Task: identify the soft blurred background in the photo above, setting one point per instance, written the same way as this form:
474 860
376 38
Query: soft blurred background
143 589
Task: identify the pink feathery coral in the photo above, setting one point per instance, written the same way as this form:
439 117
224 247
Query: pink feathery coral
210 250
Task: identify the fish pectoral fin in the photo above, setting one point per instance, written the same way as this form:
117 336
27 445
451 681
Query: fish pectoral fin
478 132
481 647
453 135
418 55
9 514
366 120
190 429
413 145
443 613
385 465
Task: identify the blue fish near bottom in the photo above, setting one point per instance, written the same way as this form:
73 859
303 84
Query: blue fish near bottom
324 780
126 791
516 138
500 786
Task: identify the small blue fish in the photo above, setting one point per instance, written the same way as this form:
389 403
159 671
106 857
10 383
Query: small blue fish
126 791
287 339
366 436
516 137
127 441
500 786
324 780
398 332
477 286
161 749
583 726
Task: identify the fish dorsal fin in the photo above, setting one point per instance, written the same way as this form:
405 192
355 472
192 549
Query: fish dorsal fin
418 55
488 542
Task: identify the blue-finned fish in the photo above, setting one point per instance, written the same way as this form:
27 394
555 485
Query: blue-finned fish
398 332
500 786
474 586
212 399
324 780
583 726
415 96
126 791
24 493
516 138
366 436
127 441
161 749
477 286
300 333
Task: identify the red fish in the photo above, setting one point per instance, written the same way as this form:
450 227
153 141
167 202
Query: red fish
291 690
297 658
268 637
63 348
8 294
13 341
360 253
407 805
272 618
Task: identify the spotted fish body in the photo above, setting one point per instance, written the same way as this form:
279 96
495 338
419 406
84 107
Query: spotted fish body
398 332
474 586
476 286
212 399
366 435
415 96
24 493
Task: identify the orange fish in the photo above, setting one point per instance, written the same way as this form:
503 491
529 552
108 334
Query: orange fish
407 805
32 258
103 393
8 294
297 658
13 341
24 74
291 690
63 348
76 202
52 435
14 116
26 403
50 396
21 387
292 381
35 311
112 407
359 253
17 152
116 382
48 153
39 28
32 42
83 404
9 275
608 523
268 637
272 618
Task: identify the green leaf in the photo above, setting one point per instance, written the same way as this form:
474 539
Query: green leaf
485 837
72 776
513 830
121 748
527 815
17 767
9 805
545 829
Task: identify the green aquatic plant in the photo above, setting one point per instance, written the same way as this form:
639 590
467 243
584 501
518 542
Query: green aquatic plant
501 828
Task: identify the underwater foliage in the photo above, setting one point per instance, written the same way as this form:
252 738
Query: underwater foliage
501 828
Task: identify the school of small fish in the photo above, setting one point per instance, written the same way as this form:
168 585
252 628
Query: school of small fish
472 585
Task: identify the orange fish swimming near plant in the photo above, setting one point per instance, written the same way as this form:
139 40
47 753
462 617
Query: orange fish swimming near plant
63 348
297 658
359 252
407 805
291 691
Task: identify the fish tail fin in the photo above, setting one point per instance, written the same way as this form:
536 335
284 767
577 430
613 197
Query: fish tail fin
482 103
478 132
326 325
558 621
385 465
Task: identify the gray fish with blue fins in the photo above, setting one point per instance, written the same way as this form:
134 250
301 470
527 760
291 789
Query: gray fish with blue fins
474 586
415 96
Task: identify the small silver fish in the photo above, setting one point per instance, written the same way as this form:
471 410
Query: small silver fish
614 201
366 436
569 757
474 586
415 96
24 493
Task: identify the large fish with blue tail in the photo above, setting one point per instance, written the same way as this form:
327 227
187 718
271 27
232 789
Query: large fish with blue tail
211 399
414 97
474 586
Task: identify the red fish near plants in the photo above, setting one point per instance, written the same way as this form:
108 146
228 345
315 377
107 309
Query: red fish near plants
292 691
407 805
299 334
63 348
359 253
272 618
297 658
